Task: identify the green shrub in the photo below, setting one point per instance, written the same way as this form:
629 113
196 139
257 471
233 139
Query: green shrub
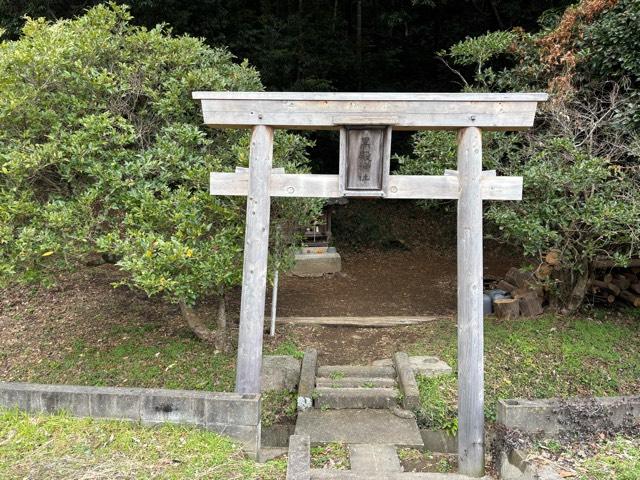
101 150
580 164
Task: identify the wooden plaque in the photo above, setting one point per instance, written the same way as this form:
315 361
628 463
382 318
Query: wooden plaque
364 160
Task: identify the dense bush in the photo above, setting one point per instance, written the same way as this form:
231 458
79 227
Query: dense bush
101 150
581 162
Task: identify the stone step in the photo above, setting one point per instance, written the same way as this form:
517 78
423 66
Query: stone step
342 398
342 371
356 382
329 474
358 426
374 458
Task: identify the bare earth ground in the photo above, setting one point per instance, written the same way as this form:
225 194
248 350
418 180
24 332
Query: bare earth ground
420 281
40 325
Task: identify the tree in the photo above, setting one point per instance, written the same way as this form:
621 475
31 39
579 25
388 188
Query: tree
101 150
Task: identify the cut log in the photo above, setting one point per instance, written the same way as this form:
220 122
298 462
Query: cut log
543 271
622 282
519 278
631 298
608 278
552 257
606 298
507 308
604 286
506 286
636 287
530 305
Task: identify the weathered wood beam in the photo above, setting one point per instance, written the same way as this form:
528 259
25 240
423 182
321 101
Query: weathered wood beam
470 315
256 252
367 322
400 186
415 111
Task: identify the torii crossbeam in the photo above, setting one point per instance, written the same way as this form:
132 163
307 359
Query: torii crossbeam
366 121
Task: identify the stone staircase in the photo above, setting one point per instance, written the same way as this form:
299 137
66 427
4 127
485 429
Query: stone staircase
358 404
366 407
349 386
368 462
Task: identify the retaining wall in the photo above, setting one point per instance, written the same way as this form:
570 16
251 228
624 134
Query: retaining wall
232 414
554 417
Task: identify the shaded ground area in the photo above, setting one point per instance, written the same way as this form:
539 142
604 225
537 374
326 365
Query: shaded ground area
396 260
85 331
420 281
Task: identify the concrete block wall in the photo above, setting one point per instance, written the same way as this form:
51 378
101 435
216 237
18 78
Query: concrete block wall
232 414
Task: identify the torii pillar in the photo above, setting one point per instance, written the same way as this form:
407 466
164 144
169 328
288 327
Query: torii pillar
366 121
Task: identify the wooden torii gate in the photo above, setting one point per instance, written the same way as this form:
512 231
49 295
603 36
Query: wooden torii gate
365 121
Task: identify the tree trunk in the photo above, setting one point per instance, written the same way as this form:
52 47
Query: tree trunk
217 338
579 289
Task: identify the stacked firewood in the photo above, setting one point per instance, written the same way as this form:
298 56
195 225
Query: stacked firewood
526 292
609 284
527 288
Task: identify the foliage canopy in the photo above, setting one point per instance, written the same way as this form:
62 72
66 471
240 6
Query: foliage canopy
101 150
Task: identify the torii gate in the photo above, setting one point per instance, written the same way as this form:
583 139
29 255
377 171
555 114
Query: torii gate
365 121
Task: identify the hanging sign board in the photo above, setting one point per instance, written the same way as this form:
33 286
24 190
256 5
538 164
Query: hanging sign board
364 160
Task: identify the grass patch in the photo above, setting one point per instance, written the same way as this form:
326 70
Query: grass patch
62 447
610 459
618 459
180 362
333 455
286 347
547 356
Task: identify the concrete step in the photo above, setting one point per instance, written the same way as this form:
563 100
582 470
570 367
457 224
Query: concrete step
342 371
356 382
358 427
329 474
341 398
374 458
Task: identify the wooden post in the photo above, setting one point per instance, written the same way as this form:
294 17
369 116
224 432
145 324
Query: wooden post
274 304
470 315
254 272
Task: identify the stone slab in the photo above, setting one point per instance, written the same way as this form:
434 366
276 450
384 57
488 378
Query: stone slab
355 397
277 435
358 426
316 264
515 466
422 365
280 372
307 382
328 474
299 459
552 417
232 414
162 406
439 441
374 458
342 371
407 380
356 382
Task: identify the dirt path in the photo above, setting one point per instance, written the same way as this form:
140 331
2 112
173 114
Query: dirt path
421 281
